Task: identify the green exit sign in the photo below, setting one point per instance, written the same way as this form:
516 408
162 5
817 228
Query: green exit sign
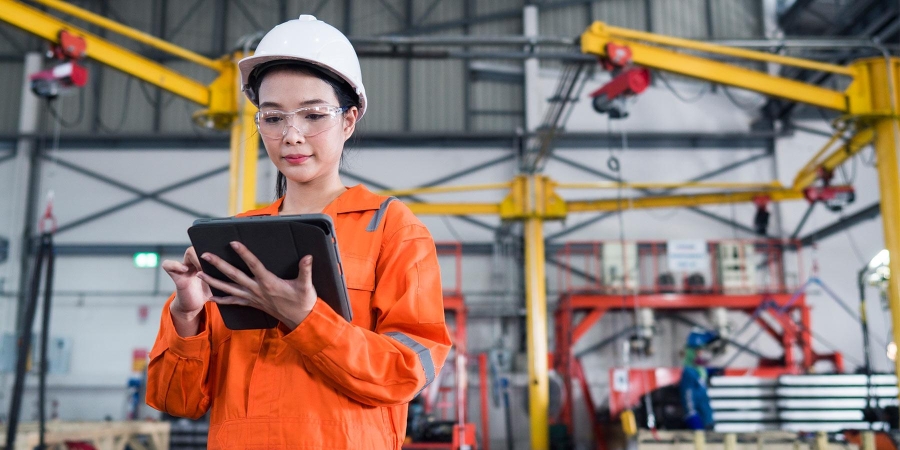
146 260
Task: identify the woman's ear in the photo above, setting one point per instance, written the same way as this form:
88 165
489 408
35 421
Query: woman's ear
350 118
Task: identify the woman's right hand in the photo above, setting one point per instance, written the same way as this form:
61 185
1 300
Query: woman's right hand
191 293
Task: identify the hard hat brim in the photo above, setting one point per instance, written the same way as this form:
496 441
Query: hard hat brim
249 64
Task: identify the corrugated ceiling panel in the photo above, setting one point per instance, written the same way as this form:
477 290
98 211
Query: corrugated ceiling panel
566 21
682 18
332 12
137 15
10 96
14 41
622 13
384 80
498 28
483 8
190 24
249 17
437 95
126 105
372 18
734 19
496 96
437 11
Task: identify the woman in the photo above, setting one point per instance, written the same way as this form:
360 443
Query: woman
315 381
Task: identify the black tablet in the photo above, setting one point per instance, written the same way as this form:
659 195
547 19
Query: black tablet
279 242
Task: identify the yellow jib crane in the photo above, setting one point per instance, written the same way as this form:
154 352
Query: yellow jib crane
869 113
225 108
869 107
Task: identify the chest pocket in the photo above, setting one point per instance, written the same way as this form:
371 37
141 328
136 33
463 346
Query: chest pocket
359 274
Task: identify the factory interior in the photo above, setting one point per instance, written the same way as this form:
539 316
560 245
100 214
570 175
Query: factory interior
659 224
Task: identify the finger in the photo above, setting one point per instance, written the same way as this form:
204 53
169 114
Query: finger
190 257
256 267
171 266
305 276
229 288
230 300
230 271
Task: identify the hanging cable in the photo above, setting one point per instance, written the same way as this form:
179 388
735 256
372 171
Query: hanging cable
58 116
123 115
740 105
699 95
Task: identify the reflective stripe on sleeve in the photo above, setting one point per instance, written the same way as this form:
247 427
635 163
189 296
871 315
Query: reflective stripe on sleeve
423 353
382 210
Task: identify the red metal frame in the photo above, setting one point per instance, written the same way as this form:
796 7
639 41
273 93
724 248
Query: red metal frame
581 307
453 399
589 256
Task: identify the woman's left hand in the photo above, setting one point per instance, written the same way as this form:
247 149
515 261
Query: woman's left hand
289 301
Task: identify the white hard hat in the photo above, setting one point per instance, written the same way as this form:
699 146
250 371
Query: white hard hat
311 41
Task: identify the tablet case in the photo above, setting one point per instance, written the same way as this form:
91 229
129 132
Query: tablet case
279 242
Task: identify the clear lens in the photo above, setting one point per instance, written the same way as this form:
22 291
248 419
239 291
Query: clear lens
309 121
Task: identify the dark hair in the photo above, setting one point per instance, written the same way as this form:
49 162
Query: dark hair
345 94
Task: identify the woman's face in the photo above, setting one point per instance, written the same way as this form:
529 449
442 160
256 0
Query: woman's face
304 157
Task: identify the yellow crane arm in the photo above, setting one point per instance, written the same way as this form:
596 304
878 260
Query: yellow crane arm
681 201
48 27
840 151
595 39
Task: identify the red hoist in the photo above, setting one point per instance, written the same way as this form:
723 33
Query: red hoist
627 81
48 83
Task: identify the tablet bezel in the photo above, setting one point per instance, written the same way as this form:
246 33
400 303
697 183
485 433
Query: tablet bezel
210 235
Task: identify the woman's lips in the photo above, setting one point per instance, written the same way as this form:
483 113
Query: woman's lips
297 159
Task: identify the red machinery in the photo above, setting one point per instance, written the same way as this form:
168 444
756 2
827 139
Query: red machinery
70 50
447 397
627 81
765 297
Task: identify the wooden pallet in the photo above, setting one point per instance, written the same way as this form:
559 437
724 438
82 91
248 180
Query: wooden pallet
101 435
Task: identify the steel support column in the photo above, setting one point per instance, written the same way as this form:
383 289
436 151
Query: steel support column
244 157
535 265
26 181
536 321
883 77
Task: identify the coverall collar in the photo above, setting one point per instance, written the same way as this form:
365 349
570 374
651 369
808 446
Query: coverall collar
356 198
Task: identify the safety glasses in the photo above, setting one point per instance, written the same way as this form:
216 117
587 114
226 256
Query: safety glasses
309 121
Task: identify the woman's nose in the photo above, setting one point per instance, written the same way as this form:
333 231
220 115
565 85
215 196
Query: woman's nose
292 134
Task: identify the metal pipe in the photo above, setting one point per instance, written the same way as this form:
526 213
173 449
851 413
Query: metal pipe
129 32
514 41
559 41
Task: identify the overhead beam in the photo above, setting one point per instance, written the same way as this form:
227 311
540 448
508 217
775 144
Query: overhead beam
419 140
868 213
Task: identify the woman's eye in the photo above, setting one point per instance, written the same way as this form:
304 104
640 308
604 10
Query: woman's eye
315 116
273 119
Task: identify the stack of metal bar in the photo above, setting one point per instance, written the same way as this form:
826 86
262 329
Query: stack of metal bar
802 403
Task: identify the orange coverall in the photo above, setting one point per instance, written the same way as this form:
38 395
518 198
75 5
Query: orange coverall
328 384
